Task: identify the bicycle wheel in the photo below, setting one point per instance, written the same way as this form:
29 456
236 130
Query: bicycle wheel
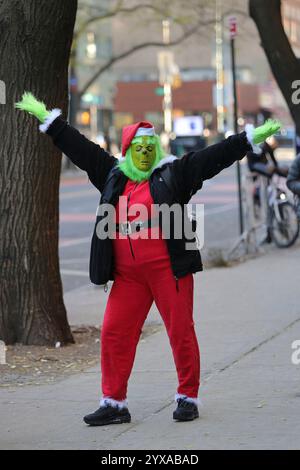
285 228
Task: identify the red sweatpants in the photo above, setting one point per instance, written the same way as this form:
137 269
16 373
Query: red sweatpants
143 274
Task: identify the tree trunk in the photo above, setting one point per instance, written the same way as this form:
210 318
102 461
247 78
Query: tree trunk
35 41
283 62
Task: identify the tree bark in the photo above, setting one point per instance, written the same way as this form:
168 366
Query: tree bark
35 42
283 62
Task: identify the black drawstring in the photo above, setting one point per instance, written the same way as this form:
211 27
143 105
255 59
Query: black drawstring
177 284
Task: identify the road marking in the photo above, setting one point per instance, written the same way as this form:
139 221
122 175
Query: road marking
73 194
222 187
74 241
76 217
213 198
78 181
73 260
73 272
219 210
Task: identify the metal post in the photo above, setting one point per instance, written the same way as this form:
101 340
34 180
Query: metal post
167 101
235 112
219 69
167 109
73 102
94 121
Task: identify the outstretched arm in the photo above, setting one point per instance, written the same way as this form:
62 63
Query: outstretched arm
200 165
85 154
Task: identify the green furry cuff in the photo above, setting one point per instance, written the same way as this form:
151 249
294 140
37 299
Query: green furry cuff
32 106
261 133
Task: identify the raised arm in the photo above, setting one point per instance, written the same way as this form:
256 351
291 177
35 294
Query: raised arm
85 154
200 165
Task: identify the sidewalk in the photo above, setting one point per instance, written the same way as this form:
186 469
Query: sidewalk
246 317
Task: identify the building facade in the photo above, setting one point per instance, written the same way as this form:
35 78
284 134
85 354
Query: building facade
130 90
291 21
258 95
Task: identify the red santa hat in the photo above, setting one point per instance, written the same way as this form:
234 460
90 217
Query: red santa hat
135 130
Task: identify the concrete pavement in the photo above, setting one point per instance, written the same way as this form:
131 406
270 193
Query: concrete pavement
246 316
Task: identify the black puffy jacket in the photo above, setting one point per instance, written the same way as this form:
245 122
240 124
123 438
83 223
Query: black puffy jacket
186 174
293 179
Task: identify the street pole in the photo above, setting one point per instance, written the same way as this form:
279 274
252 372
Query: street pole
94 121
73 101
235 117
219 69
167 101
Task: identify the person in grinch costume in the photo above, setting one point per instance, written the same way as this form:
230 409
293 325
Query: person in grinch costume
145 265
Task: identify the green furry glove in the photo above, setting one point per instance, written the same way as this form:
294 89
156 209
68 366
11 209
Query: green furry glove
38 109
32 106
260 134
269 128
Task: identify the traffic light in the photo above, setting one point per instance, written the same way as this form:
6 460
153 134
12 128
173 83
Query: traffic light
177 82
85 118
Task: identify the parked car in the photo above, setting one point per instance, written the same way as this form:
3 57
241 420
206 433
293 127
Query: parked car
184 144
286 137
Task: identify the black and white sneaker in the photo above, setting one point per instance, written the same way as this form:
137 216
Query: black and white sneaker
186 410
108 415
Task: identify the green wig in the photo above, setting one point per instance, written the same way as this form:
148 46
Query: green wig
129 169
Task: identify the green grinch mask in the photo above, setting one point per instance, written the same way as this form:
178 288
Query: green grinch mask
142 156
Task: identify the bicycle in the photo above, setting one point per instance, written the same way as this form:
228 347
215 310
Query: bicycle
281 215
269 215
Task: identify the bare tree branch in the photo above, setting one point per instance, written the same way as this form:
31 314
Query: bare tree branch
120 10
90 6
164 12
136 48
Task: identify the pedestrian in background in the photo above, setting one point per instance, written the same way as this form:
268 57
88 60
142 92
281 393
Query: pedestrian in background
293 181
